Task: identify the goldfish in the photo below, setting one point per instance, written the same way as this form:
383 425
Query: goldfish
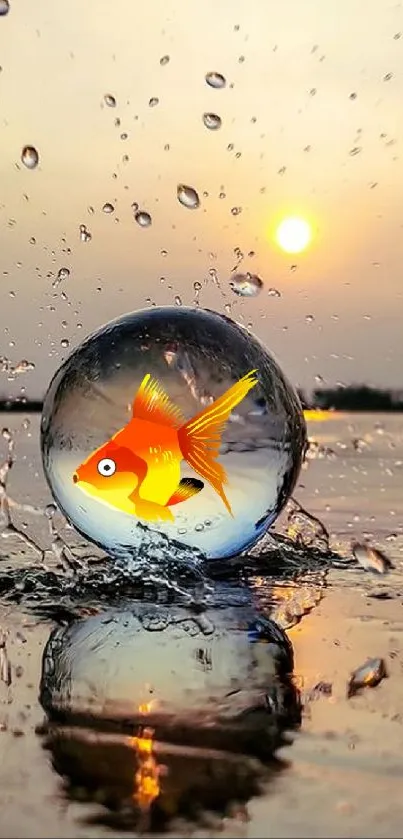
138 470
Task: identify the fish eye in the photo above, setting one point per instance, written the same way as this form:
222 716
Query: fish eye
106 467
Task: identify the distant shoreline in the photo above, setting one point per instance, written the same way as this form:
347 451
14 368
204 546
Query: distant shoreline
35 407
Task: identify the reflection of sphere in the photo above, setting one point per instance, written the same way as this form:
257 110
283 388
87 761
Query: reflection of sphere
213 692
196 356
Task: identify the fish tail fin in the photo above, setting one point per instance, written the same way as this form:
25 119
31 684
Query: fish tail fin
200 437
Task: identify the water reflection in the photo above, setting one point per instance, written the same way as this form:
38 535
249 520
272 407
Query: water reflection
157 714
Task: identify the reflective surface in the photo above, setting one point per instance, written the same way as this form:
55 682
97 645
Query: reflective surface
196 355
157 713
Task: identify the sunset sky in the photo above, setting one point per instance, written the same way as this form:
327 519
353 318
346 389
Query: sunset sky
312 125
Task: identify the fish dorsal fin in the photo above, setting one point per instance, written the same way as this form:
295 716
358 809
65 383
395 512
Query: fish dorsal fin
153 404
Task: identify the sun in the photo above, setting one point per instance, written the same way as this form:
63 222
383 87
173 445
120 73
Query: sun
294 234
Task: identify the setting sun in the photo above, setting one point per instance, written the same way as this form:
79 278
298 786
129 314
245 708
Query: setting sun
294 234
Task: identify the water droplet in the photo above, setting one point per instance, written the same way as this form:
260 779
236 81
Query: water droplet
397 36
352 96
216 80
178 300
4 8
164 60
143 218
212 121
356 150
62 275
110 100
309 318
274 292
153 101
236 211
188 197
246 285
108 208
32 240
29 156
64 343
85 235
313 91
222 195
197 287
387 77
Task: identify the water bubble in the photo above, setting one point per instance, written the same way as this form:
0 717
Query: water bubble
153 101
62 275
29 156
273 292
178 300
4 7
195 356
387 77
212 121
236 211
85 235
309 318
187 196
108 208
216 80
164 60
246 285
64 343
110 100
143 218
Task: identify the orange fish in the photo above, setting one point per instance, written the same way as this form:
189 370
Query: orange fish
138 469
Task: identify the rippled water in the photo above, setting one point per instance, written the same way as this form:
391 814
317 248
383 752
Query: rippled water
166 702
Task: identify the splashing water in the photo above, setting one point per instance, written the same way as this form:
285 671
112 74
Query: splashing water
246 285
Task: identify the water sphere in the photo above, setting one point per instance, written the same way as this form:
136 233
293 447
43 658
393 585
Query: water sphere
188 197
30 157
216 80
194 356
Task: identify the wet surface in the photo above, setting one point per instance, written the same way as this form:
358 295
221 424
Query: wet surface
98 755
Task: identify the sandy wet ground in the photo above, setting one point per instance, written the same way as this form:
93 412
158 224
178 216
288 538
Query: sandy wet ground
343 772
345 768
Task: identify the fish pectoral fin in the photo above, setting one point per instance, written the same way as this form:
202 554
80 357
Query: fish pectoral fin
200 437
188 487
153 404
150 511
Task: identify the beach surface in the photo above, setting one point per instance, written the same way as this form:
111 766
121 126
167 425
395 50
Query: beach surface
342 773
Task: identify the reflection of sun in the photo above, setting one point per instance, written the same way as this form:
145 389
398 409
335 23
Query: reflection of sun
294 234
